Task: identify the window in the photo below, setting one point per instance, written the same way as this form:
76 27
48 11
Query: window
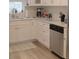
15 7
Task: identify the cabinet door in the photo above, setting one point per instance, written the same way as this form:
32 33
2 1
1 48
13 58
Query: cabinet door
64 2
43 33
25 31
49 2
37 1
56 2
31 2
60 2
12 33
35 29
40 2
46 2
43 1
22 31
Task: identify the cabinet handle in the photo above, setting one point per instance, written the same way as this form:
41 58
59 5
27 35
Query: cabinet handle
16 28
43 24
43 31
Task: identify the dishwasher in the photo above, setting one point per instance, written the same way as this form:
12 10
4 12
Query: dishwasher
57 40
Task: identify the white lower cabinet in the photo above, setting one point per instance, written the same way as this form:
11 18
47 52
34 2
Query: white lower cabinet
43 33
34 29
12 33
28 30
21 31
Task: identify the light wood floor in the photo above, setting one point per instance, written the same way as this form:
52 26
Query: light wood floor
39 52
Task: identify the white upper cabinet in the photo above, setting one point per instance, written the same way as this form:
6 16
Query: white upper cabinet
60 2
31 2
64 2
48 2
39 2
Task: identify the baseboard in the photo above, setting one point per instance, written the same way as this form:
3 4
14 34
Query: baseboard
57 55
30 40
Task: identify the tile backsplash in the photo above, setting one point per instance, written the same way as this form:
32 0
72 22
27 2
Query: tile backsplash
54 10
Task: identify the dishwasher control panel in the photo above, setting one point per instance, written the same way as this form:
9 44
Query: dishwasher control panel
57 28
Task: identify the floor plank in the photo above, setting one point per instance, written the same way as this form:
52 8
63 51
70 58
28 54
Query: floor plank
38 52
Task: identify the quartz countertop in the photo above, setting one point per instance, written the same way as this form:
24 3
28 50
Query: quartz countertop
59 23
62 24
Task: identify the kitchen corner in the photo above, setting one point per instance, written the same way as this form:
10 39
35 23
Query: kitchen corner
42 20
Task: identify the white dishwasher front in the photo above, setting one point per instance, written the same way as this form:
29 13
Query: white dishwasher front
56 40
